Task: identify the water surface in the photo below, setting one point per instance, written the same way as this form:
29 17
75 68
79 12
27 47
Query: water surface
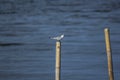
27 53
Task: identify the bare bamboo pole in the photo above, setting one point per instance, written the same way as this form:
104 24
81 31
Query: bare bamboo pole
109 52
58 60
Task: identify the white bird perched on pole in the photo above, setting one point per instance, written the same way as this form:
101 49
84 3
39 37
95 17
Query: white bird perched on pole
58 38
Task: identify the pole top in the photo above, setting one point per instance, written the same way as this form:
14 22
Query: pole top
58 41
106 29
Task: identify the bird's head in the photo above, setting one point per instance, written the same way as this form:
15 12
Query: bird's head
62 35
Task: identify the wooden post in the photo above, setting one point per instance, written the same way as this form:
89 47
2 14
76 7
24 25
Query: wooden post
109 52
58 60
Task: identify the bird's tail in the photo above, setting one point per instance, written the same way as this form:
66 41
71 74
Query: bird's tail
51 38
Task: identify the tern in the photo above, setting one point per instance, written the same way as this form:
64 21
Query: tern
58 38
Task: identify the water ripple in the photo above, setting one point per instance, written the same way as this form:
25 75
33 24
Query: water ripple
10 44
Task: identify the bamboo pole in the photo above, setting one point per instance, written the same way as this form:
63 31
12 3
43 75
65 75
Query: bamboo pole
109 52
58 60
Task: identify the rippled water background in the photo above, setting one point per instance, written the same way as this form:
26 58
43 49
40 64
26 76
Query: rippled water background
27 53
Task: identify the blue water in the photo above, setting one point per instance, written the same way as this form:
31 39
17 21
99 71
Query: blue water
27 53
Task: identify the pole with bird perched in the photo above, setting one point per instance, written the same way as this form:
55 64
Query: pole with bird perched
58 56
